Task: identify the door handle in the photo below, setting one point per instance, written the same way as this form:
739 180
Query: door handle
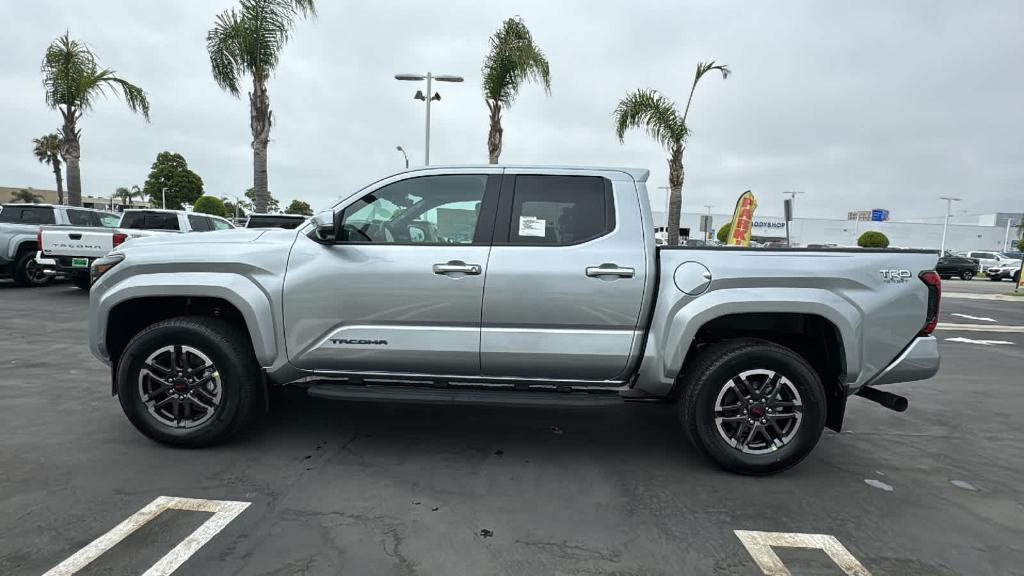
609 270
457 267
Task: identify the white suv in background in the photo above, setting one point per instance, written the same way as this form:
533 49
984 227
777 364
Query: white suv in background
986 258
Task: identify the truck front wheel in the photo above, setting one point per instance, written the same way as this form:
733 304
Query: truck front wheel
190 381
753 406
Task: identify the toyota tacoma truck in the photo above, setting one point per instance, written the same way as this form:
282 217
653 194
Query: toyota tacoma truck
535 286
73 249
19 236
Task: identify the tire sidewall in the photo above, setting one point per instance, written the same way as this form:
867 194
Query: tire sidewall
967 275
21 275
787 364
128 384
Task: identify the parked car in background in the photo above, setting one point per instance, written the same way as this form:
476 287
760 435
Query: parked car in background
1005 269
286 221
74 249
1013 255
961 267
985 258
534 286
19 236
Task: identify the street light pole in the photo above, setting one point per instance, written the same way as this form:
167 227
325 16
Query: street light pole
163 198
707 233
1006 237
428 98
945 224
402 150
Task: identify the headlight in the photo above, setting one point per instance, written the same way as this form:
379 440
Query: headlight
103 265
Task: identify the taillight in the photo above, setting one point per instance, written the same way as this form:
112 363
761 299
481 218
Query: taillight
39 240
119 238
934 283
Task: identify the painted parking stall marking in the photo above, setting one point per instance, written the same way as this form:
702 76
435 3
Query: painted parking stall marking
224 511
759 545
979 327
981 342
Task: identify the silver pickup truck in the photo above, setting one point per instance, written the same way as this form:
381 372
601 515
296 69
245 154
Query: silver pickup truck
20 239
516 285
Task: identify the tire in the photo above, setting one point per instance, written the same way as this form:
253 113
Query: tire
27 272
967 275
234 381
995 278
709 380
82 281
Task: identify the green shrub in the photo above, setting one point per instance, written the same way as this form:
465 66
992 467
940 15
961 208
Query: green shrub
723 232
1020 245
210 205
873 239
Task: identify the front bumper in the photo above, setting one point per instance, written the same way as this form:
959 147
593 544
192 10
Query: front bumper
919 361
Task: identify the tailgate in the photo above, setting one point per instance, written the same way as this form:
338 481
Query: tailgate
74 241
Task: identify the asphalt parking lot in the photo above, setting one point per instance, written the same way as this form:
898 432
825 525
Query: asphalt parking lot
335 488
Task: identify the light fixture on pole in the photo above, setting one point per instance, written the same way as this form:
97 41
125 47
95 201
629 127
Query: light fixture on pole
945 224
787 209
429 77
402 150
707 232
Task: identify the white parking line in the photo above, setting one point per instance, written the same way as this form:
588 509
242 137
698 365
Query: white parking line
759 546
978 327
969 317
982 342
224 511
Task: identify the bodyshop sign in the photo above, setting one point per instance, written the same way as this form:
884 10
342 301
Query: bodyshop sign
768 227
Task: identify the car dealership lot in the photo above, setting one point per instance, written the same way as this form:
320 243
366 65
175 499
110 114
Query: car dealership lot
379 489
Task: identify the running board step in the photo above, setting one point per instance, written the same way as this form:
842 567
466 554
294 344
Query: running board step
423 395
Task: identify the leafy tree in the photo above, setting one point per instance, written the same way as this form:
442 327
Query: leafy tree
249 41
126 194
48 150
513 61
873 239
1020 244
659 117
210 205
26 196
171 171
723 233
299 207
73 80
273 206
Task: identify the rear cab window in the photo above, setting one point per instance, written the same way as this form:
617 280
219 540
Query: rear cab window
199 223
27 215
549 210
150 221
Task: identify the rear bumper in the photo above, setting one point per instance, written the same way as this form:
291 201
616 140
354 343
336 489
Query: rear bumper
919 361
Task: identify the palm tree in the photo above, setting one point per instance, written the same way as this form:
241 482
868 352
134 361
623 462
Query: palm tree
126 194
249 41
73 80
659 117
26 196
48 150
514 60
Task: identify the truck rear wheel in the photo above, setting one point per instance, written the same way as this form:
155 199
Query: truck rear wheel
753 406
82 281
28 272
190 381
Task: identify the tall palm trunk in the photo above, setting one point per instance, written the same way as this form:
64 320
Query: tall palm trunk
675 197
60 180
259 122
72 155
495 133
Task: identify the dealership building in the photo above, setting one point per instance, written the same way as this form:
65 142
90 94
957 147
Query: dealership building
966 232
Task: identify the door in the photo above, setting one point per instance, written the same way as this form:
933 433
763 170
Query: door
566 278
400 290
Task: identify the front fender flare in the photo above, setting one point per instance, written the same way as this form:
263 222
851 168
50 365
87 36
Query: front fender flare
250 299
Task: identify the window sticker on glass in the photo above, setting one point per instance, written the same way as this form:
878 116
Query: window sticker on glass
531 226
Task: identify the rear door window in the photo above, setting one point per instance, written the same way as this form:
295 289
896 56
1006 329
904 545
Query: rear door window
80 218
27 215
560 210
219 224
199 223
150 221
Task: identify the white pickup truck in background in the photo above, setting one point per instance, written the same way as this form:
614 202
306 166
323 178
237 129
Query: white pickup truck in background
73 248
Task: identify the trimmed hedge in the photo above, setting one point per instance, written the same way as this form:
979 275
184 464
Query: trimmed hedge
873 239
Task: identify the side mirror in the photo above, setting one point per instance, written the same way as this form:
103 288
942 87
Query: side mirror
326 225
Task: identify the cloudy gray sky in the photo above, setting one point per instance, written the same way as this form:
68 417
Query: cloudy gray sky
862 104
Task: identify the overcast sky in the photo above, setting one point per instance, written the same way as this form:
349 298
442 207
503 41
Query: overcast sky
861 104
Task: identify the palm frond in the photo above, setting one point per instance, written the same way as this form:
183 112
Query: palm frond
652 112
72 78
224 44
134 96
702 69
47 149
514 60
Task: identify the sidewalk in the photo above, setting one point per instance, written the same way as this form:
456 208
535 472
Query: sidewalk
968 296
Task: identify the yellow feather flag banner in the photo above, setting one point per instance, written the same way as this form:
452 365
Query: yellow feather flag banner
742 219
